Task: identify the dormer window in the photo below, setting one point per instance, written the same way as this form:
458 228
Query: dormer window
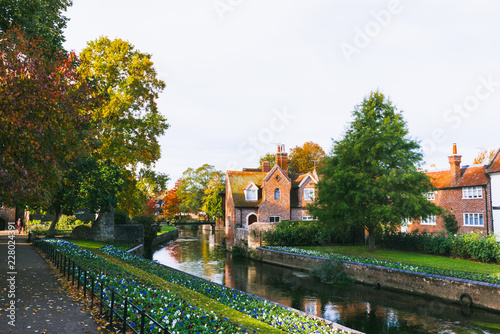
251 193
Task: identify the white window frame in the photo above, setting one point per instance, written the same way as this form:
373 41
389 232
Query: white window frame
278 193
472 192
431 196
431 220
308 218
274 219
309 194
470 219
251 193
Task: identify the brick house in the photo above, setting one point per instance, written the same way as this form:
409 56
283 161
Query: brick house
493 173
465 192
255 199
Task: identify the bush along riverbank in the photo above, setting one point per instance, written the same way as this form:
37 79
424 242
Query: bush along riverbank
182 303
277 316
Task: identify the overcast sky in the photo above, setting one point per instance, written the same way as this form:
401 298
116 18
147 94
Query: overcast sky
245 75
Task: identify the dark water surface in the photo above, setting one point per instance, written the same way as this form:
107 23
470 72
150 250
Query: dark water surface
360 307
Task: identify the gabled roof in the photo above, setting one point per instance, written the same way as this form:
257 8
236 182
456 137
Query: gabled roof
276 168
238 181
494 165
469 176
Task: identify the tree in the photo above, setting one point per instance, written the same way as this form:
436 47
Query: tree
268 157
484 156
129 123
305 158
172 204
44 112
192 187
212 202
370 179
37 18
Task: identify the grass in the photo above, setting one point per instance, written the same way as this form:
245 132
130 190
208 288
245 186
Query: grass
166 228
95 245
417 259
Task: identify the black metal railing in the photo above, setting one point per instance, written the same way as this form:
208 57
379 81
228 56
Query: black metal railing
117 307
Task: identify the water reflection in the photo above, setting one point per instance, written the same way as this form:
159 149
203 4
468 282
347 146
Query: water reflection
358 306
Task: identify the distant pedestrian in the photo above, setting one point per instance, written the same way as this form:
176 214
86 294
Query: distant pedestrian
19 225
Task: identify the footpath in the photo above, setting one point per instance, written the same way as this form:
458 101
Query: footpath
32 298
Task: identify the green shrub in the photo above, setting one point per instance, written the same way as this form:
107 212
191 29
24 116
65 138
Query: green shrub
450 222
121 217
238 252
330 271
65 221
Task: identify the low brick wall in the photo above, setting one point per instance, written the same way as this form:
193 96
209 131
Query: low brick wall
484 295
166 237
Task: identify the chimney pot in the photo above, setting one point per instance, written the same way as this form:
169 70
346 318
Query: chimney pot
454 148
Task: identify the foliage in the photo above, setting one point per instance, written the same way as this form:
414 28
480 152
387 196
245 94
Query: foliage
268 157
391 264
476 246
305 158
37 18
238 252
192 187
450 222
44 112
121 217
151 230
484 156
67 220
297 233
212 201
331 271
128 122
370 180
172 202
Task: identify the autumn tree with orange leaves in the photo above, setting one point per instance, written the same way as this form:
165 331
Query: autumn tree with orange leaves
172 205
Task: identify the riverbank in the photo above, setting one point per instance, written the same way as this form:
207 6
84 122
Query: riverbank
456 290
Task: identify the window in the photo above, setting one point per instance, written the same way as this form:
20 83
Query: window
251 192
276 193
307 218
430 196
473 219
274 219
472 192
431 220
309 194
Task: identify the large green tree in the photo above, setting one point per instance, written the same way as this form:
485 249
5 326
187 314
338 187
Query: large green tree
305 158
38 19
370 179
212 201
192 186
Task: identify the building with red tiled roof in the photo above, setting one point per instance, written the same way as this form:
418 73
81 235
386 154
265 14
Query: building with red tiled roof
493 173
255 199
465 192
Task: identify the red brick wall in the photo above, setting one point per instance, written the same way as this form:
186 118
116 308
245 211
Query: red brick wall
271 206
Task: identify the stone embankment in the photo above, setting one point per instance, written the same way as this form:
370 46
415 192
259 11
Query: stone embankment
480 294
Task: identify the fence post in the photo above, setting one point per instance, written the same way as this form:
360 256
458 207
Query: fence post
125 316
142 321
73 276
92 293
112 306
84 283
63 267
102 296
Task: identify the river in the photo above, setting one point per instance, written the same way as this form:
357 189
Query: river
357 306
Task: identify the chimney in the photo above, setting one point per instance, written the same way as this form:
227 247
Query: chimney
455 161
266 166
282 158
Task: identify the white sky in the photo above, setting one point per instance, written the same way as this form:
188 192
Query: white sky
244 75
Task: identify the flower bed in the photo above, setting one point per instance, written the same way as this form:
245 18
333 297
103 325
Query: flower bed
495 279
166 307
275 315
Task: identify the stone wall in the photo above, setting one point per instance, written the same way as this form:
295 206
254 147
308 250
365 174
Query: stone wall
484 295
129 233
166 237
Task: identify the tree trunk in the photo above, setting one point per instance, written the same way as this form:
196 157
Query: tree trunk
52 228
371 241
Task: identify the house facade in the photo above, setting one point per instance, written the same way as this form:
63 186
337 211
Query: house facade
465 191
256 199
493 173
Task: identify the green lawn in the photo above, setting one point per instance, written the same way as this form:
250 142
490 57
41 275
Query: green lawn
418 259
94 245
166 228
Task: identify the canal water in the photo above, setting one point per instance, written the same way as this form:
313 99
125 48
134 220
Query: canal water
357 306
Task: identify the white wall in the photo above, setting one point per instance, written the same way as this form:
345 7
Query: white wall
495 200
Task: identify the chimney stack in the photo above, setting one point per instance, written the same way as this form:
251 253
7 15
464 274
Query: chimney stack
282 158
266 166
455 161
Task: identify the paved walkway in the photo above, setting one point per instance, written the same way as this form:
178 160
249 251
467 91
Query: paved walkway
41 305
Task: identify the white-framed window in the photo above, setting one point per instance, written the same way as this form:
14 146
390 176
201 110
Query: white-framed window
276 193
307 218
430 195
309 194
251 193
431 220
274 219
473 219
472 192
